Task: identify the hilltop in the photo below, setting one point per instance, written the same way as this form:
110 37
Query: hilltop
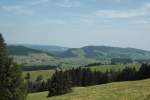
22 50
47 48
106 52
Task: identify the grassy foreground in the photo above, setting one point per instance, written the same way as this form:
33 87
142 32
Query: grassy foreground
133 90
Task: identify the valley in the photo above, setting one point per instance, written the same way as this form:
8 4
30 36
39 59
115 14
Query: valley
74 50
74 57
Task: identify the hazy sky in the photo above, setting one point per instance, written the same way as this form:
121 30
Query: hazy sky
76 23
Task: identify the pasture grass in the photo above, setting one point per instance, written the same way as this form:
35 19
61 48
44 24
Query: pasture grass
118 67
34 74
131 90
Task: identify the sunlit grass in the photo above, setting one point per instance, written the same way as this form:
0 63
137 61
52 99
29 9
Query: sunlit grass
134 90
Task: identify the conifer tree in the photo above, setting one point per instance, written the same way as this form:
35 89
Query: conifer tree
12 86
60 84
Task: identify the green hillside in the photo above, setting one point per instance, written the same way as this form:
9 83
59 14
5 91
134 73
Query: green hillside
46 48
133 90
94 52
21 50
105 52
34 57
73 57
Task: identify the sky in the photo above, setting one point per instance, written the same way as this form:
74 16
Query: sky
76 23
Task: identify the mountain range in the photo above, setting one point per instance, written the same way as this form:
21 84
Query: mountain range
94 52
106 52
21 50
46 48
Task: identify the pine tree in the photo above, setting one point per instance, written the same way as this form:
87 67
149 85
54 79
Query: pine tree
12 86
39 78
60 84
3 51
127 74
144 72
28 76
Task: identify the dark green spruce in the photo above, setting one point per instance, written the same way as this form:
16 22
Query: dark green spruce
12 85
59 84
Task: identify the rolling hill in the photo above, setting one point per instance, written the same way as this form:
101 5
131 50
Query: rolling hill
46 48
92 52
73 56
132 90
21 50
105 52
32 57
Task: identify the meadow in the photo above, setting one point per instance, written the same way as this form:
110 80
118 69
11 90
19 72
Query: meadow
131 90
34 74
48 73
118 67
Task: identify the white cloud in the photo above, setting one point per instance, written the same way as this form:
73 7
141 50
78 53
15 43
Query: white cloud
59 22
23 9
143 11
140 22
17 9
68 3
131 16
37 2
116 1
11 8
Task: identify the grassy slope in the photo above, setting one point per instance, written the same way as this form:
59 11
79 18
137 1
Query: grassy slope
105 52
134 90
21 50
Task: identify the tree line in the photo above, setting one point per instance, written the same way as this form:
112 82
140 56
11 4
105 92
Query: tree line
38 67
63 80
38 85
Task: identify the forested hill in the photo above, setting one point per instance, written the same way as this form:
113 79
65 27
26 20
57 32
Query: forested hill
93 52
21 50
99 52
47 48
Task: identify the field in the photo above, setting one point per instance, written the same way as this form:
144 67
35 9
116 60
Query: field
133 90
45 73
118 67
48 73
44 59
